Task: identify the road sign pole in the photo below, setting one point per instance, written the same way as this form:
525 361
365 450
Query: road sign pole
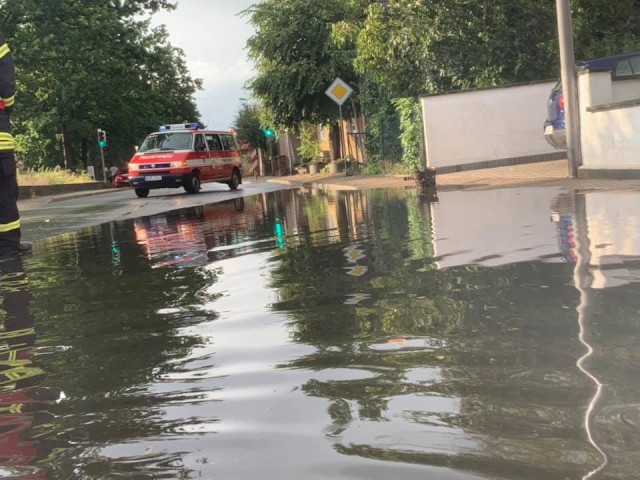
104 171
342 140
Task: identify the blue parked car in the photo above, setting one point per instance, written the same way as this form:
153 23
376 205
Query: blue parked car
621 66
554 128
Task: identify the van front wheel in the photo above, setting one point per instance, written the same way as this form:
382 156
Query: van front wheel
142 192
193 184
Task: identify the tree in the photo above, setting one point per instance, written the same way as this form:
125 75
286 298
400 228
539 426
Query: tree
605 28
248 126
296 59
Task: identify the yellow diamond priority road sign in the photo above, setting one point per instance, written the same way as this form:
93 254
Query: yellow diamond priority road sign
339 91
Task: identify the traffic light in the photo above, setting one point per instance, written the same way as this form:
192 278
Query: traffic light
279 231
115 253
268 132
102 138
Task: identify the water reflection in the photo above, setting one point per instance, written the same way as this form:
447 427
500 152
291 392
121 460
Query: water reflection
24 406
306 334
186 238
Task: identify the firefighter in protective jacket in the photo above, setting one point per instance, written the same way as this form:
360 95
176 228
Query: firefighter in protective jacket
10 243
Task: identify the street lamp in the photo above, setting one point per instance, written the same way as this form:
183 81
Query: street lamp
569 87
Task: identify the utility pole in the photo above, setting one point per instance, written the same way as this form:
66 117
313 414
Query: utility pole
569 86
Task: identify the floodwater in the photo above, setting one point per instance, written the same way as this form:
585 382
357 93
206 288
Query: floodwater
312 335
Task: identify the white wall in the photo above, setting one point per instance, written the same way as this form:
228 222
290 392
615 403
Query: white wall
609 137
486 124
626 90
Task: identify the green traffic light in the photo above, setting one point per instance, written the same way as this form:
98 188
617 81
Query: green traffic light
268 132
102 143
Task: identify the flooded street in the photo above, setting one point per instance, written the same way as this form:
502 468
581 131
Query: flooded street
319 335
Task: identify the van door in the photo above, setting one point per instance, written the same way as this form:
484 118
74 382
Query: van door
199 157
231 155
216 155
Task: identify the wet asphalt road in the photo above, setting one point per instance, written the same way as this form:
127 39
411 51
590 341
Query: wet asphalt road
48 216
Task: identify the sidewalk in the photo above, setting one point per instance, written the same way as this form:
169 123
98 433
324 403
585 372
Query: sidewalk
550 173
532 173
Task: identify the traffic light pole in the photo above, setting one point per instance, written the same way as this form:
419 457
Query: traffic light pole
104 171
102 142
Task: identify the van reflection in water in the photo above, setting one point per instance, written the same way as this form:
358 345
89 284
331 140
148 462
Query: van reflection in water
23 405
185 238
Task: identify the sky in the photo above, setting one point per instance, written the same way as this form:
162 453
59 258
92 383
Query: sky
213 37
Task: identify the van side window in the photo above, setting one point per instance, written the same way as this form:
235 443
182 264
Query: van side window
213 141
200 145
228 142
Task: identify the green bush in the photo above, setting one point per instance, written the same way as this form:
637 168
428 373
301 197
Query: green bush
372 168
385 168
309 148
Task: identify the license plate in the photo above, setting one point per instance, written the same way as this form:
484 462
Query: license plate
548 129
153 178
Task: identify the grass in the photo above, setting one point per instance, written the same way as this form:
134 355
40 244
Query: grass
52 176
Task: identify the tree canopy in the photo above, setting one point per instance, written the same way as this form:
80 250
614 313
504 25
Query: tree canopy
418 48
296 59
83 65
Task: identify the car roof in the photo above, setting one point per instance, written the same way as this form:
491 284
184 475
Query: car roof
603 64
188 130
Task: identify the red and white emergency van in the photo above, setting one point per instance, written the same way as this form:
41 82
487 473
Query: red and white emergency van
185 155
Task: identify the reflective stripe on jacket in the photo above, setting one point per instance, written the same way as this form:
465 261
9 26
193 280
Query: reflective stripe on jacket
6 141
7 73
7 227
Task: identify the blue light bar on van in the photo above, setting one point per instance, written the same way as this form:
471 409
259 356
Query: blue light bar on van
180 126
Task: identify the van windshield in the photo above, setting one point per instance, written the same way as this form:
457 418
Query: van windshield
162 142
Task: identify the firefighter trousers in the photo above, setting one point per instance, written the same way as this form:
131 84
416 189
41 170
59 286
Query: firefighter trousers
9 215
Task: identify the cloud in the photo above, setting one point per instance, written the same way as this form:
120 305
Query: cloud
216 75
213 37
